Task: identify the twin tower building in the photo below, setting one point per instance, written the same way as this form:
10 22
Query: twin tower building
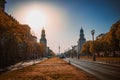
77 48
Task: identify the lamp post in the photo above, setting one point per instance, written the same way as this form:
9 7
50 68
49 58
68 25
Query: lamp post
78 51
92 32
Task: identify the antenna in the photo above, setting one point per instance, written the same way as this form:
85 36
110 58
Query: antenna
59 48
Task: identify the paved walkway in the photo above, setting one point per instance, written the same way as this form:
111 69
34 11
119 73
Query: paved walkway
50 69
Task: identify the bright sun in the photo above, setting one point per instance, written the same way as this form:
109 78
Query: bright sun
35 18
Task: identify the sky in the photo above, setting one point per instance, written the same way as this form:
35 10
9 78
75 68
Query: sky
63 19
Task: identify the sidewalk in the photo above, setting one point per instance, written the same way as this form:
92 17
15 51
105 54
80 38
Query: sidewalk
21 65
50 69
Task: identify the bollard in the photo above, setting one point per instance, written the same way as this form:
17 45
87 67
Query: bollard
69 62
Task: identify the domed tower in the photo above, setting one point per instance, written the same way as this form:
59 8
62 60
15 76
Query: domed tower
81 40
82 34
2 4
43 39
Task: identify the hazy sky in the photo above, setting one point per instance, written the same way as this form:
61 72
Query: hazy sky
62 19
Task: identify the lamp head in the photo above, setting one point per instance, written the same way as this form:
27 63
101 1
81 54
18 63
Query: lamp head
92 32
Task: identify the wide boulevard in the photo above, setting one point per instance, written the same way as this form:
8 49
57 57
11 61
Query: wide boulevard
101 71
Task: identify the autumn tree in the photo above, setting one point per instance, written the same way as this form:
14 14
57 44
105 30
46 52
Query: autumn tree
86 48
108 44
16 42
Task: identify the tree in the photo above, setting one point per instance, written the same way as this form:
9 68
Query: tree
98 47
16 42
86 48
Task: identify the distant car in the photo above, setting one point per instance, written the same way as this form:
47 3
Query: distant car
62 56
49 56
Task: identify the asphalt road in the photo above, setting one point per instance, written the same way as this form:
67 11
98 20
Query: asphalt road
99 70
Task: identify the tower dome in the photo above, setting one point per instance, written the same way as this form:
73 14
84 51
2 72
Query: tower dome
81 30
43 38
43 30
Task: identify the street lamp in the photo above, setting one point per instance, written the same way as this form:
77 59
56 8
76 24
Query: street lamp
92 32
78 51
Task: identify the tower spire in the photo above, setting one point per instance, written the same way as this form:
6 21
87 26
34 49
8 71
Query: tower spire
81 27
43 38
81 40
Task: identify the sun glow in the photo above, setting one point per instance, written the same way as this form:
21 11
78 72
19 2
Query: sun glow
38 15
35 18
